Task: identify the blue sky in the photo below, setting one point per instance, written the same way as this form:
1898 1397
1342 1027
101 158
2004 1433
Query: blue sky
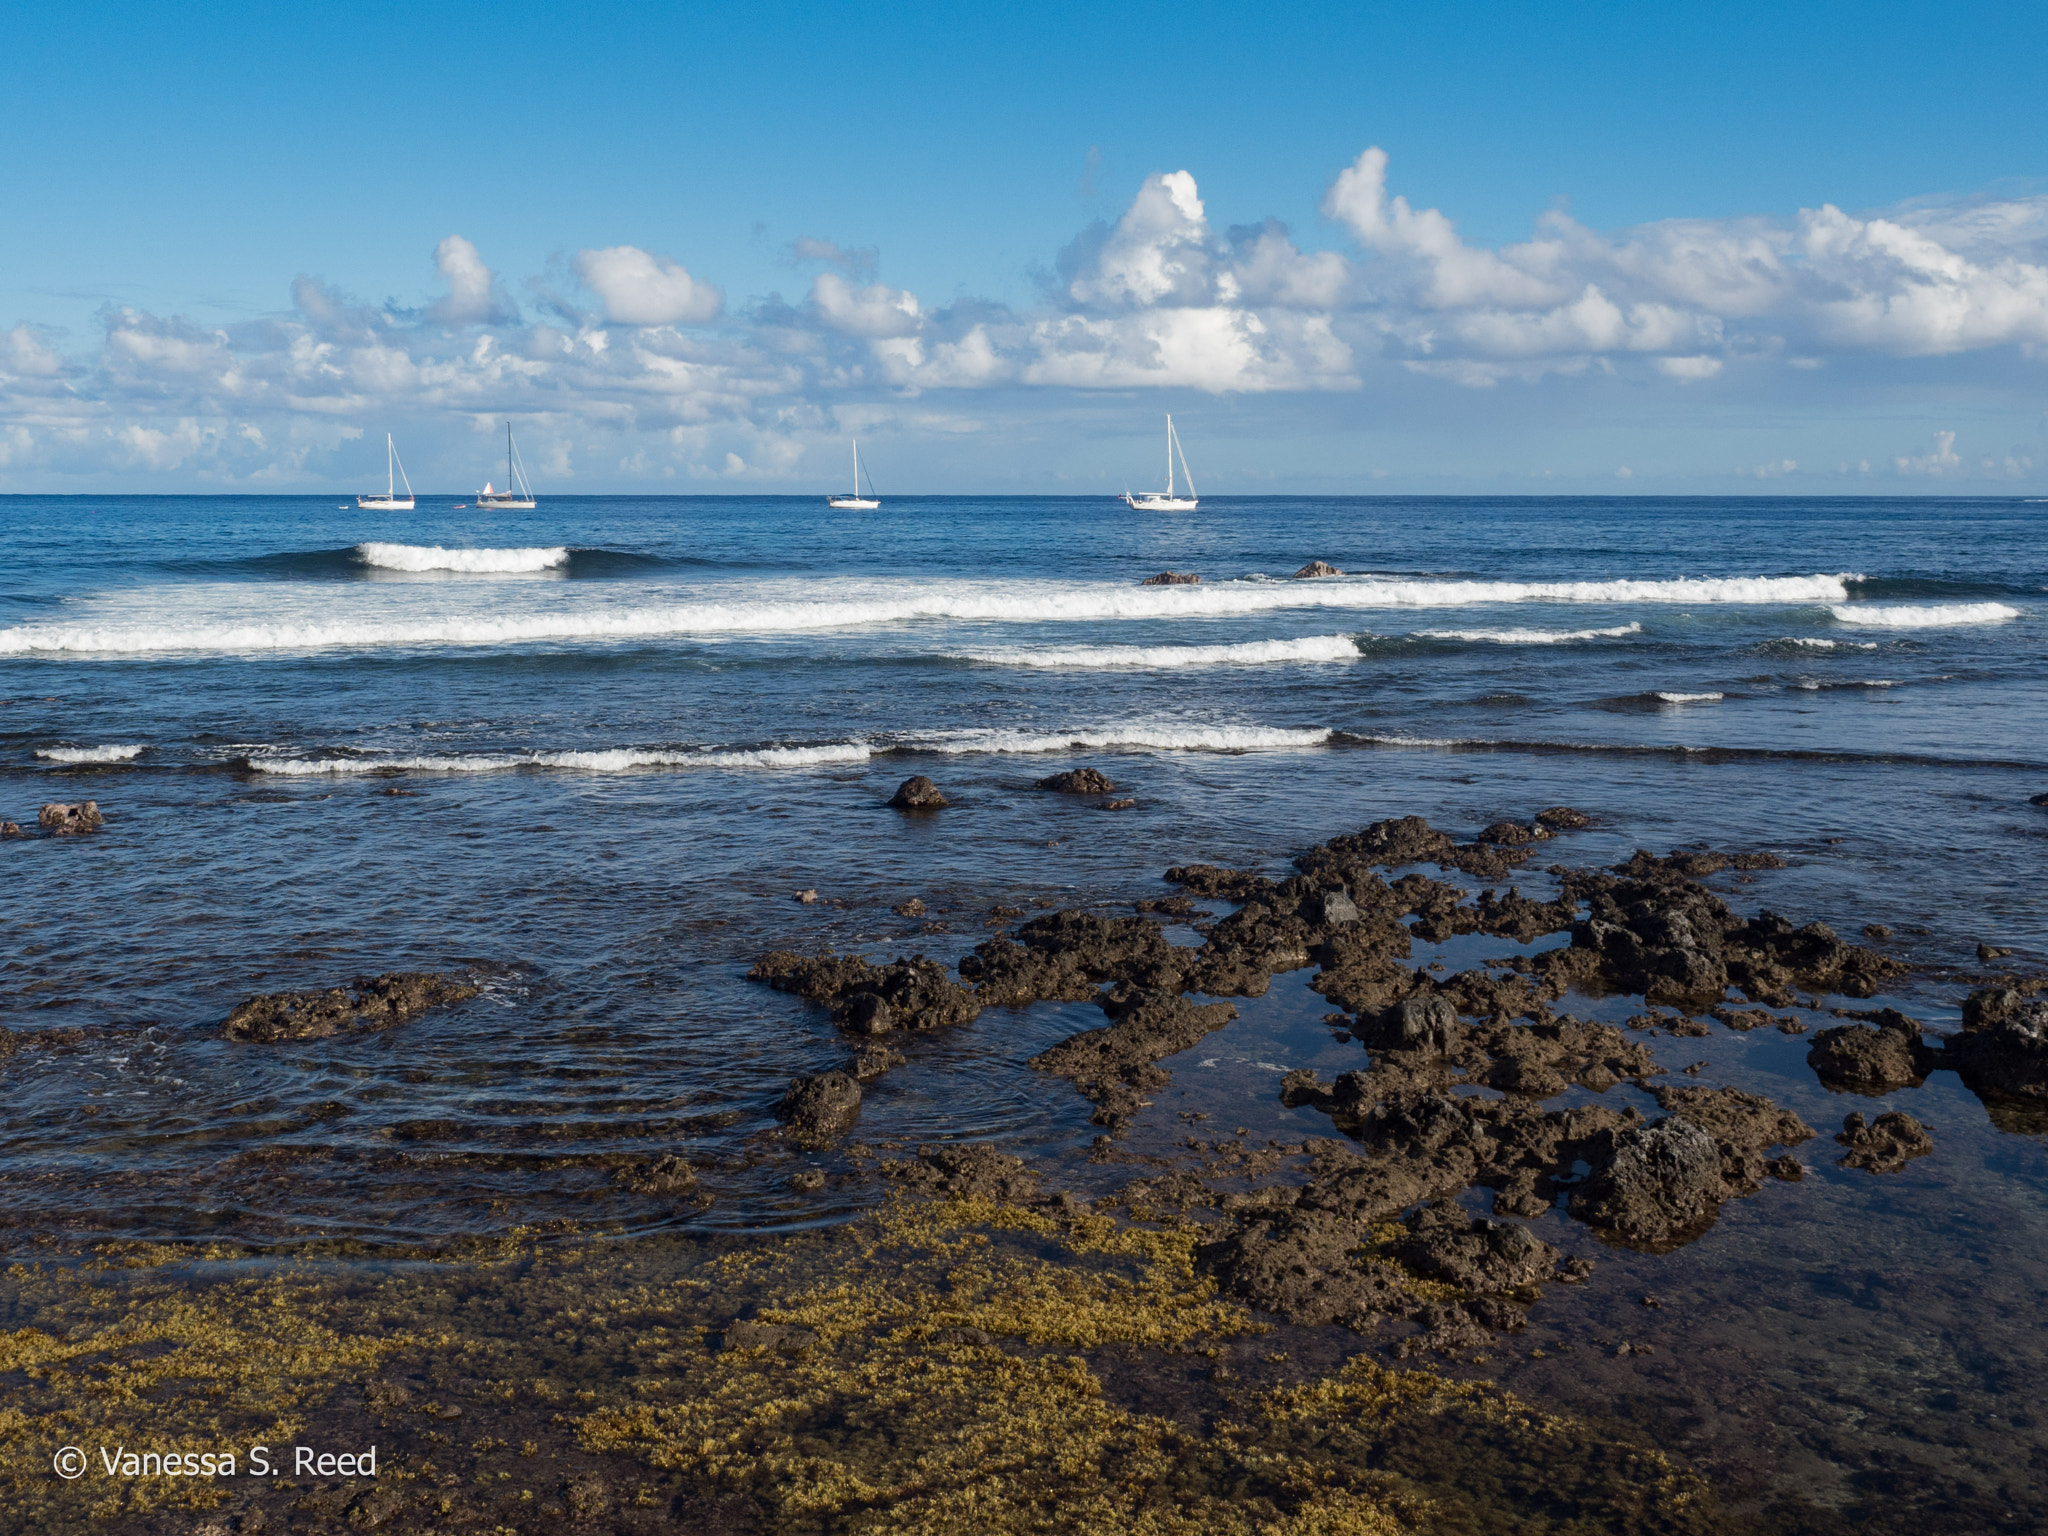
1721 248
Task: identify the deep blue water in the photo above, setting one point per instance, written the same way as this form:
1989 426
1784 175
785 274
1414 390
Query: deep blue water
631 728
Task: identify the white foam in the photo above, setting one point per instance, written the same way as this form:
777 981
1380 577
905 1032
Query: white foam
1808 642
613 760
788 607
1250 652
1930 616
1687 698
1530 636
91 754
431 557
1160 738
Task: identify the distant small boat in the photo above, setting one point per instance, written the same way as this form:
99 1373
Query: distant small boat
1152 501
856 502
517 493
394 471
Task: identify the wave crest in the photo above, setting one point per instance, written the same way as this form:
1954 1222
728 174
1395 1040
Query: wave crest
1249 652
1530 636
611 760
431 557
1923 616
112 754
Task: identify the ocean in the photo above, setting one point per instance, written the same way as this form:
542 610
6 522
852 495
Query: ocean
592 753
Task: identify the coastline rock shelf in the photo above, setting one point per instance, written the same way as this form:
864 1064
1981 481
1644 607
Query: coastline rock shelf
1454 1093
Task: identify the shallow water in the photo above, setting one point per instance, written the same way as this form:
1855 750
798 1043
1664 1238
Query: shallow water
617 764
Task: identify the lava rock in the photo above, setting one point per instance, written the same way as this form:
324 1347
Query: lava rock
914 907
1077 781
1172 579
2002 1051
668 1175
1884 1145
872 1060
1990 952
1855 1059
61 820
1448 1243
917 793
821 1107
1509 833
11 829
1658 1182
1562 818
1334 909
1316 568
382 1002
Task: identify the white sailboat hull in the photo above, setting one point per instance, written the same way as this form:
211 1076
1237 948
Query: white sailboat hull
523 503
385 503
1151 501
852 503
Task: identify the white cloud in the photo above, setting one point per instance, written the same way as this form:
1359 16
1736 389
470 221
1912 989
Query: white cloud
874 311
640 288
473 296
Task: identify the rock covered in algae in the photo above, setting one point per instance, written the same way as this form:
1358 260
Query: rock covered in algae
381 1002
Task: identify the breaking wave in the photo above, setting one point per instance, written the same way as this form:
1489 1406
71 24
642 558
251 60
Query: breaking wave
1165 738
1929 616
1316 648
1530 636
90 754
431 557
1798 643
814 608
1686 698
614 760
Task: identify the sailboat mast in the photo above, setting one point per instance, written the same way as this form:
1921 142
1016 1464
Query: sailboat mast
390 475
1169 455
509 484
856 469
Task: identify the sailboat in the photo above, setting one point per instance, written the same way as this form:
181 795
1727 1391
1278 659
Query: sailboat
856 502
518 492
394 471
1152 501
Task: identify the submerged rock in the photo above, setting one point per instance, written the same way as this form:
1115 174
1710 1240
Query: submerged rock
1077 781
61 820
1114 1066
968 1171
1884 1145
1316 568
1448 1243
668 1175
11 829
382 1002
1562 818
1172 579
821 1107
1657 1182
906 994
917 793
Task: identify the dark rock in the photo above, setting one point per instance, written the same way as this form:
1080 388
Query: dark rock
819 1108
1117 805
1658 1182
807 1180
1872 1061
1510 833
1077 781
1172 579
1115 1067
1208 880
1167 906
872 1060
917 793
1989 952
1302 1265
1562 818
383 1002
966 1171
912 994
61 820
1885 1145
1876 931
912 908
1316 568
1427 1024
1448 1243
2002 1051
1334 909
11 829
668 1175
2037 800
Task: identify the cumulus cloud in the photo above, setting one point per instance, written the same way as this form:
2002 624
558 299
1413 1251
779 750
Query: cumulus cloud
1156 298
473 296
640 288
